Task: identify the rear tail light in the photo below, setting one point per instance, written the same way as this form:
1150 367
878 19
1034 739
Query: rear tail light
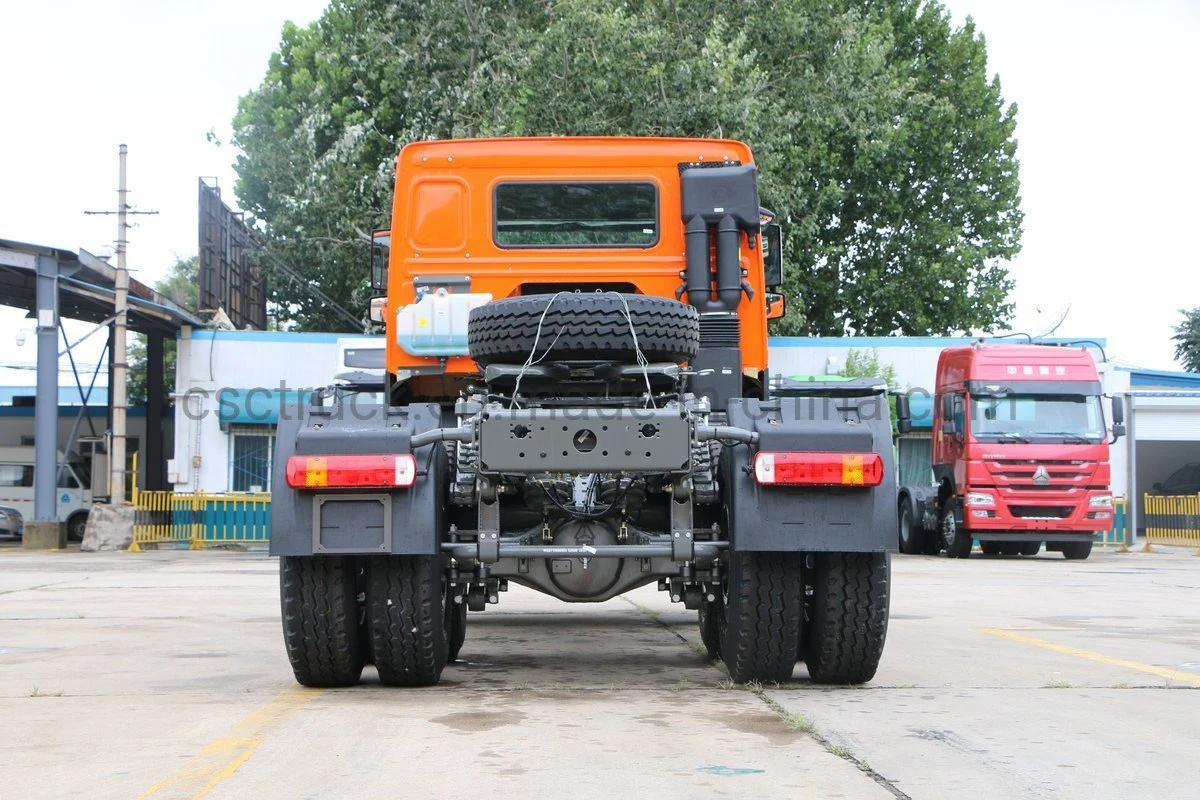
351 472
818 469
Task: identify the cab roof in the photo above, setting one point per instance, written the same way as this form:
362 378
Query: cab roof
591 150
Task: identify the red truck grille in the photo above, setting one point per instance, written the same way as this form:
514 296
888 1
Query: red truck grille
1019 474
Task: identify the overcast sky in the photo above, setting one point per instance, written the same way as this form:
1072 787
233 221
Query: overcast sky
1107 125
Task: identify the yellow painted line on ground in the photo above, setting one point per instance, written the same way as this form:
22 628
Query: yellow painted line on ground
1173 675
222 757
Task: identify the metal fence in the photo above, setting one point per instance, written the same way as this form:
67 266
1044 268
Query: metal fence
1115 534
200 519
1173 520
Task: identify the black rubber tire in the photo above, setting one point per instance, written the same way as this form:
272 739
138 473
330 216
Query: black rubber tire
407 619
764 603
847 616
956 541
456 628
1077 551
582 327
77 526
1030 548
992 548
912 537
710 615
319 607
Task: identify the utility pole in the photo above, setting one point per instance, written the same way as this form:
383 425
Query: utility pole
117 397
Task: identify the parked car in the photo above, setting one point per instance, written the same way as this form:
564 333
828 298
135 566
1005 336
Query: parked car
11 524
1185 480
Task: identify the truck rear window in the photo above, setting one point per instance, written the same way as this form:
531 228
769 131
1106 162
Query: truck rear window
576 214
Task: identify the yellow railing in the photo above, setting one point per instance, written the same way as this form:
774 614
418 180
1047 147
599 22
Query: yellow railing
200 519
1173 520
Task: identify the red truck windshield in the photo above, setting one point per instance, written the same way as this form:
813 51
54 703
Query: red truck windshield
1043 418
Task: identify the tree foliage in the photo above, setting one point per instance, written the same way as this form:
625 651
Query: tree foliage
883 145
866 364
1187 340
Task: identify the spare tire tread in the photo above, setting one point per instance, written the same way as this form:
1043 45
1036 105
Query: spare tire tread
583 327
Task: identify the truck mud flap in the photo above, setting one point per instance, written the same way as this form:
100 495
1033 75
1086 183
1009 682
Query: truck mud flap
807 519
401 521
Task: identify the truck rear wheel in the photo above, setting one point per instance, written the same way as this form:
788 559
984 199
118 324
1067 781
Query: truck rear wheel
912 537
763 607
1030 548
321 632
955 539
847 619
406 617
583 327
1077 551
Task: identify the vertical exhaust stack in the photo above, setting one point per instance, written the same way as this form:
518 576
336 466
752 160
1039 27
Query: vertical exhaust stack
723 199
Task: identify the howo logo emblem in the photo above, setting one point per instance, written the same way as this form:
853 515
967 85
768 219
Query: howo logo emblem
1040 476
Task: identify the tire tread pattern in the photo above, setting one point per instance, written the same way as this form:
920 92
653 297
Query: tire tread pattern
761 634
406 619
849 619
583 327
319 608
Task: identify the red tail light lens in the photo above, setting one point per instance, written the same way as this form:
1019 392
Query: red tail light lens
818 469
351 472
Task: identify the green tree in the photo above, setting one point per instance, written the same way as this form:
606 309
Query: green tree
181 287
866 364
1187 340
883 145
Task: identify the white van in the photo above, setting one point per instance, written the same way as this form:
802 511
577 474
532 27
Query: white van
73 496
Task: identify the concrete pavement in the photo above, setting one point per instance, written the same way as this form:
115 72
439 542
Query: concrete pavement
163 675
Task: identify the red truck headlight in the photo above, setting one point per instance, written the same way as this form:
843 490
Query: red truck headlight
818 469
352 472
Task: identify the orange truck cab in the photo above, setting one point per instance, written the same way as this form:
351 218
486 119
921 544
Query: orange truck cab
481 220
1019 454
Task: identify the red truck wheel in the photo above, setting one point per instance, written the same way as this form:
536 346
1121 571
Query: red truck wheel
1077 551
955 539
912 537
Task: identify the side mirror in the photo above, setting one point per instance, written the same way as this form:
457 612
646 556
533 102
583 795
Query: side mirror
776 305
1118 430
381 245
1118 407
903 414
773 255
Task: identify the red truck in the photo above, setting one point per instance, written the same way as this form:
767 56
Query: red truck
1019 454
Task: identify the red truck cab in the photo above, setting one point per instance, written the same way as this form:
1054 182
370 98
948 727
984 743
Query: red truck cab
1019 452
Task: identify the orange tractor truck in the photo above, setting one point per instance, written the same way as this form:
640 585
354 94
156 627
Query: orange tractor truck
578 400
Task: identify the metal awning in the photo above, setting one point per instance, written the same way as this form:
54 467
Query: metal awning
86 289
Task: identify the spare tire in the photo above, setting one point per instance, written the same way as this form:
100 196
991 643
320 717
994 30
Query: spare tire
577 326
